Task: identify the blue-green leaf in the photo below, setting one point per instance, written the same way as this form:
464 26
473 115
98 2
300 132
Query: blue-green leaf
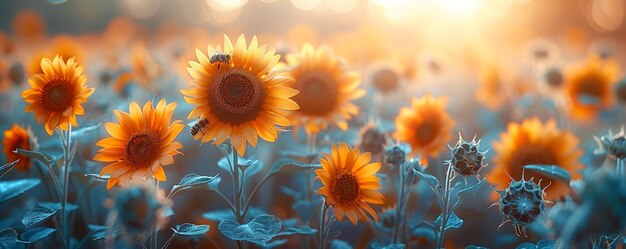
259 230
99 232
7 167
36 234
377 245
8 238
98 177
424 232
85 131
14 188
454 221
550 171
37 215
194 180
339 244
41 156
432 181
188 229
304 230
285 165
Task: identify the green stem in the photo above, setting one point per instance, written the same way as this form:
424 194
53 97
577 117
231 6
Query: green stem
444 208
619 165
322 242
153 230
249 199
235 158
167 243
66 177
399 201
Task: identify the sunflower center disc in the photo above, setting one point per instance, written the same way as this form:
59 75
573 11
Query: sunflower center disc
346 188
386 80
317 96
426 132
57 97
236 96
142 149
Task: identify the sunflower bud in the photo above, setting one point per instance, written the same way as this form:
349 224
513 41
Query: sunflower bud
522 203
613 144
554 77
137 208
395 155
466 158
373 139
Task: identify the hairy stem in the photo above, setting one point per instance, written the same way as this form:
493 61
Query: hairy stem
153 230
322 242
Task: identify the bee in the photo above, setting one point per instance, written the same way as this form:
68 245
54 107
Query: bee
220 58
200 125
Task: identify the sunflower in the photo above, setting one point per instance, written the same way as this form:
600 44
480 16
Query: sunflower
532 142
144 69
426 126
350 183
18 138
67 47
492 86
326 89
140 144
28 25
589 87
242 99
56 94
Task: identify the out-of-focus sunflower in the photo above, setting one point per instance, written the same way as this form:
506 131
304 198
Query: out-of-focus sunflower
492 90
6 44
350 183
243 99
326 89
425 126
18 138
29 26
140 144
67 48
34 62
144 69
532 142
589 87
56 94
4 76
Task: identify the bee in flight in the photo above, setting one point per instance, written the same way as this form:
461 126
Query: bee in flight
220 58
200 125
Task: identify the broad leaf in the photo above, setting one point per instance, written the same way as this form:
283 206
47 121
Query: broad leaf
98 177
223 214
14 188
432 181
41 156
7 167
54 206
287 165
99 232
453 221
377 245
193 180
37 215
339 244
424 232
37 234
550 171
251 167
8 238
85 131
304 230
187 229
259 230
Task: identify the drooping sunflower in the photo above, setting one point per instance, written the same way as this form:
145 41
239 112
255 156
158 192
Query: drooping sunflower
242 99
56 94
18 138
350 183
140 144
589 87
425 126
326 89
532 142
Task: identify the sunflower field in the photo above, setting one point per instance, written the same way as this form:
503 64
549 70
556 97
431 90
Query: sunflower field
330 124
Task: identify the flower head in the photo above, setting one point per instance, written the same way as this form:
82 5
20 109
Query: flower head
56 95
140 144
18 138
533 142
137 207
325 87
373 139
613 144
467 159
589 87
522 202
395 155
425 126
243 98
350 183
